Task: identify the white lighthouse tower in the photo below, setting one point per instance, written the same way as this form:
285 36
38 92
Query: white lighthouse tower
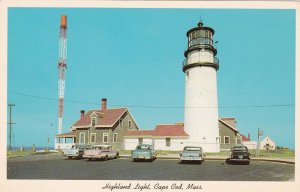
201 102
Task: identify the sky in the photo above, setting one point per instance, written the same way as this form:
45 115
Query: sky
133 57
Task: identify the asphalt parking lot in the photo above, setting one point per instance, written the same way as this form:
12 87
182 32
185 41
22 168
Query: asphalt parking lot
57 167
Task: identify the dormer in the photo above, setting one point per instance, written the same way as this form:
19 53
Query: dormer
95 118
93 121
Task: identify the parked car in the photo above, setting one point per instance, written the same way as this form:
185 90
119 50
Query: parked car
192 154
239 154
104 152
143 152
75 152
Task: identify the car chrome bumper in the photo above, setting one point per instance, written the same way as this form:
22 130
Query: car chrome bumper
141 157
239 159
72 155
190 158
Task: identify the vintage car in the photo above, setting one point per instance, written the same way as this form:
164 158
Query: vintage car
239 154
191 154
143 152
75 152
100 152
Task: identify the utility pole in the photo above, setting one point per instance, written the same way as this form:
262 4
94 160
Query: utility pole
259 133
10 124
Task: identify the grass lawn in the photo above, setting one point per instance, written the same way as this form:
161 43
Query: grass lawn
275 153
19 153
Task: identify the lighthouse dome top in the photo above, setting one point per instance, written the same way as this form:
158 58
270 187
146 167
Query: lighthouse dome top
200 23
200 27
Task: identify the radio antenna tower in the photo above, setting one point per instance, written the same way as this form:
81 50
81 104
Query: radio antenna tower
62 65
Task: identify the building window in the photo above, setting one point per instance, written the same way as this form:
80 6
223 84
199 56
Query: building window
121 122
93 138
168 142
129 123
105 138
140 141
226 140
115 136
81 138
93 121
238 141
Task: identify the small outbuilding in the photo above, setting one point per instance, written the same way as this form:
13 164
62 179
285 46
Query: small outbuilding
163 137
267 143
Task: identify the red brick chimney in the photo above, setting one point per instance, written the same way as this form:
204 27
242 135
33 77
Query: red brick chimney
104 103
249 136
81 114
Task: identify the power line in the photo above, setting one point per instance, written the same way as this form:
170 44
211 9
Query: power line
158 107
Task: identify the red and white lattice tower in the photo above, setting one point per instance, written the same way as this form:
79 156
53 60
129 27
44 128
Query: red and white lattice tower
62 65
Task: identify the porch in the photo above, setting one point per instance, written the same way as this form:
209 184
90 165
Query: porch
65 140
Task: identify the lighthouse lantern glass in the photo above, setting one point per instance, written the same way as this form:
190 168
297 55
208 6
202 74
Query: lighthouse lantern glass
200 37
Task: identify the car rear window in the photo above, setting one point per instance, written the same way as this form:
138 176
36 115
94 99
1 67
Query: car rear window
143 147
239 149
193 149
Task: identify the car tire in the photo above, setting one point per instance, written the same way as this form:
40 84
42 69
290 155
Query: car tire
117 156
247 163
228 161
105 158
69 157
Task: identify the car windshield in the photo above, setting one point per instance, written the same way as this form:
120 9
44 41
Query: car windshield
192 149
144 147
100 147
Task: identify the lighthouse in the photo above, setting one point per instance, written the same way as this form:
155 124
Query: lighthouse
201 102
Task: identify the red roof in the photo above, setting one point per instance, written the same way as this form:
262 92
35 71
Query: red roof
68 134
172 130
244 138
139 133
107 117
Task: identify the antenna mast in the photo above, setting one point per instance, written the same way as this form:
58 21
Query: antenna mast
62 65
